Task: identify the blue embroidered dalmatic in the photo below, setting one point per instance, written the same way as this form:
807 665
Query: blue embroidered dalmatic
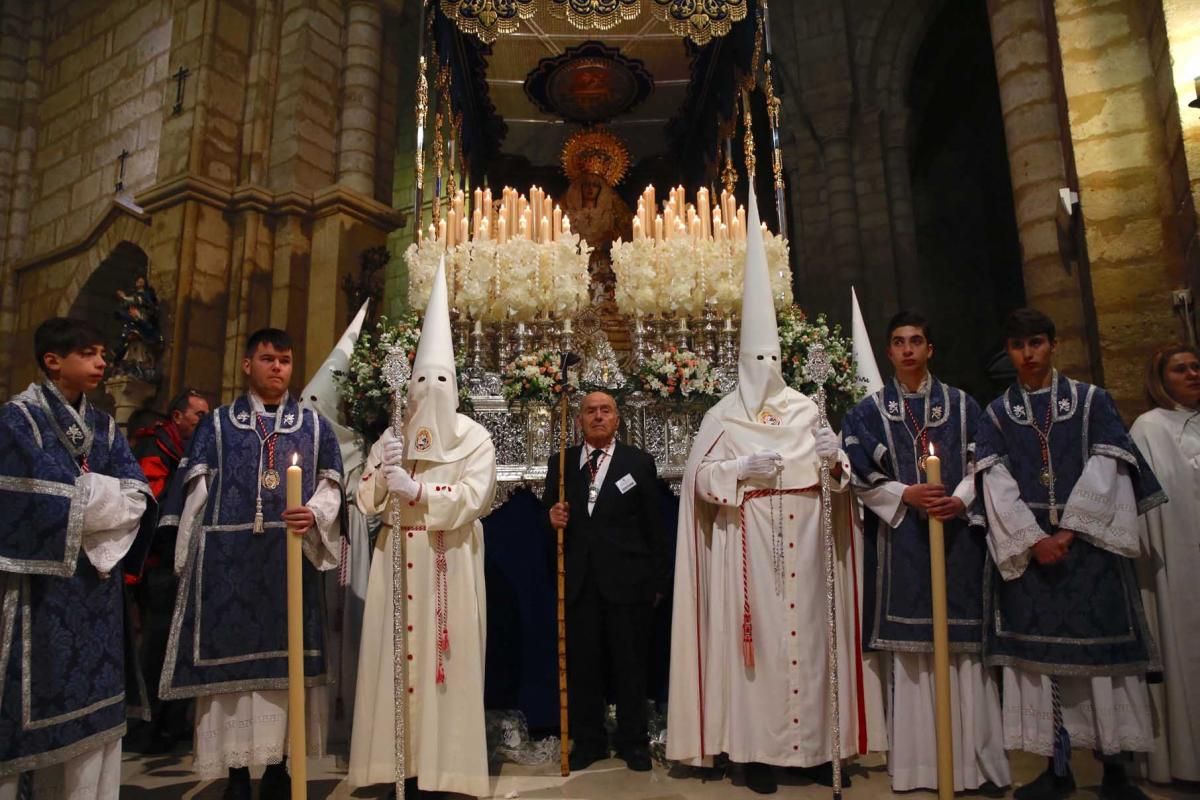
884 444
1084 615
62 642
229 629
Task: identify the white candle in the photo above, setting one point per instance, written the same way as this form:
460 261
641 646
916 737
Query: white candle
566 225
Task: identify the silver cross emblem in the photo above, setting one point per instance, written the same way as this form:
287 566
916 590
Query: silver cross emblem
936 413
1019 411
1064 405
289 419
893 407
243 416
75 434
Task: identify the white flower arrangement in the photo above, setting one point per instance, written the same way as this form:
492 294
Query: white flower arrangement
532 377
516 281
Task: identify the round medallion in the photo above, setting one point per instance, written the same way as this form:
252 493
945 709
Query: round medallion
769 417
423 440
270 480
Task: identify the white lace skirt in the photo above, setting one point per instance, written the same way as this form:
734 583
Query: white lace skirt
1109 715
250 729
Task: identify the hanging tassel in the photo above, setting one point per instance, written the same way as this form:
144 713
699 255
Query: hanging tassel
747 642
444 640
441 673
344 564
1062 738
258 515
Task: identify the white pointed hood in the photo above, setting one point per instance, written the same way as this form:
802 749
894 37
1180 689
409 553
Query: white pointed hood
321 395
760 373
434 430
864 356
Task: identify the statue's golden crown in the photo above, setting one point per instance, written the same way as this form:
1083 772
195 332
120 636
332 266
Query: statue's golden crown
596 152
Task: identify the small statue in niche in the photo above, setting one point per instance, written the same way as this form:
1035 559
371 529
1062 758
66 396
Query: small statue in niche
141 341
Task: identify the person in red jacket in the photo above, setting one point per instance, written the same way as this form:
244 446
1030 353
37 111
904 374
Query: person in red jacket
159 449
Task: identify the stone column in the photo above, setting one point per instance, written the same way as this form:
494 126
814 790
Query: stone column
843 206
1117 132
22 81
1038 169
360 96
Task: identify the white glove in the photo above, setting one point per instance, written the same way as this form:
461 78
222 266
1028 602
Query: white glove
393 451
827 443
763 465
400 482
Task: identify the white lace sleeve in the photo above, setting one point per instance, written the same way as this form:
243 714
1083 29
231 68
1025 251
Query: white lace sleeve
1102 508
1012 528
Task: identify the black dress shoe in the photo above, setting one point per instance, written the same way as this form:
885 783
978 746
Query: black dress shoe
583 758
637 760
1121 789
238 786
761 778
989 789
1048 786
276 784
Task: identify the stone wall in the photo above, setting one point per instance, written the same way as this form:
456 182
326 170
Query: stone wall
252 205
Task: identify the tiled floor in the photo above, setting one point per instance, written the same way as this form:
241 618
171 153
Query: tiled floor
170 778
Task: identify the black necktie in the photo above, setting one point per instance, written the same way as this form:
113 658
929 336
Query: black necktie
594 460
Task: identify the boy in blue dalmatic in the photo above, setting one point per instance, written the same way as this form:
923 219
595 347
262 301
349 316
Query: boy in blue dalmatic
228 637
1063 485
77 514
887 437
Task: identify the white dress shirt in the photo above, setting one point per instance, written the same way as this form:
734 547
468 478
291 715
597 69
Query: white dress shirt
585 453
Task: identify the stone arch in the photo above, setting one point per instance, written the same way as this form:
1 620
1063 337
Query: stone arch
123 232
95 300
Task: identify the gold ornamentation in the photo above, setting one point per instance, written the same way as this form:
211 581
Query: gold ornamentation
423 440
774 105
422 113
700 20
729 174
598 15
748 143
487 19
438 159
595 152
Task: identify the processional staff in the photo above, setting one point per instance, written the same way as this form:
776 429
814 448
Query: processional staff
563 388
295 640
396 373
818 369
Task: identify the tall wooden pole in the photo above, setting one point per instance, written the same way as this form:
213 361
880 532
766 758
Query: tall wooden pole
941 642
295 637
564 749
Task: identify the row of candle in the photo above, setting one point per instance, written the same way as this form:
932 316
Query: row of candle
535 217
725 222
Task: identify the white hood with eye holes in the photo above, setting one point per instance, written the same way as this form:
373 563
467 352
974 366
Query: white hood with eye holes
760 373
433 428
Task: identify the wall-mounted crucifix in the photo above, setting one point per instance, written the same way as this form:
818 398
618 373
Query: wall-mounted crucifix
180 77
121 170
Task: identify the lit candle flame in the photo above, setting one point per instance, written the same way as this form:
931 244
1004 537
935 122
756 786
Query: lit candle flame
931 449
295 459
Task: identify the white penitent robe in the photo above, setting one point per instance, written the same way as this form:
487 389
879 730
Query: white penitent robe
1108 714
242 729
979 754
445 747
777 711
1169 574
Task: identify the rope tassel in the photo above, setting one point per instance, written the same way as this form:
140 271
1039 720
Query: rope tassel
747 641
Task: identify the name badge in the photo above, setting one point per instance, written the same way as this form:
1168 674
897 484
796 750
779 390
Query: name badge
626 483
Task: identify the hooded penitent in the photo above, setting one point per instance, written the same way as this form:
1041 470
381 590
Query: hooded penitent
433 429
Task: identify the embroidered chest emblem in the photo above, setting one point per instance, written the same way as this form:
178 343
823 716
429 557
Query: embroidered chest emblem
935 412
423 441
893 406
75 434
1018 411
243 416
289 419
1064 405
768 417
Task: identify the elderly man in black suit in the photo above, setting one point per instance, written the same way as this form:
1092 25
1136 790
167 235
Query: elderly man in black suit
617 571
